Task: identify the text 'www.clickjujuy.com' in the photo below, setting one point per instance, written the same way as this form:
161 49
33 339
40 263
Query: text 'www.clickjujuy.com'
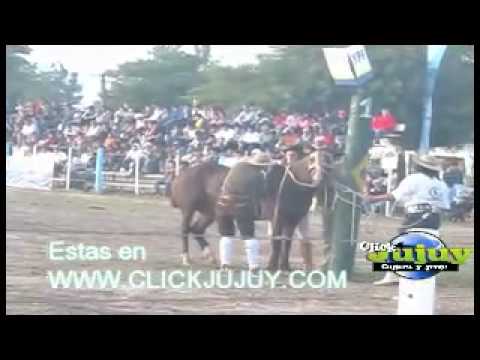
178 279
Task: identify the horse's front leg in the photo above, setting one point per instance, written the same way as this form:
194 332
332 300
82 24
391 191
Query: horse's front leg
186 220
198 230
286 246
276 243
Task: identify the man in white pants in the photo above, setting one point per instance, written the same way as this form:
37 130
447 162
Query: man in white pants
242 191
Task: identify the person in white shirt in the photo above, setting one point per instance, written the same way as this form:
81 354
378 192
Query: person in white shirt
132 155
220 133
29 128
251 137
292 121
238 120
226 133
29 132
423 195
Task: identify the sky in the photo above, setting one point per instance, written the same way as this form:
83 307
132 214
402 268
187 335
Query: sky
92 60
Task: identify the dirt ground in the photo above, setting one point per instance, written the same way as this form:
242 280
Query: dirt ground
34 219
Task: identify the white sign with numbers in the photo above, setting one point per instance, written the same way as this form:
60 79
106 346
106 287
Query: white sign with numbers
348 66
361 65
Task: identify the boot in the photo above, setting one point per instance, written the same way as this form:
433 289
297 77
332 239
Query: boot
389 279
306 250
252 250
226 251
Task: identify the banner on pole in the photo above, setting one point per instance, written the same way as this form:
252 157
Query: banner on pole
434 58
349 66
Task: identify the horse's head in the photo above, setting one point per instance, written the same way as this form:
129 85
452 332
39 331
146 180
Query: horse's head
309 169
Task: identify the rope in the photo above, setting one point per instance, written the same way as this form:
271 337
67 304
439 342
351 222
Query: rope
298 182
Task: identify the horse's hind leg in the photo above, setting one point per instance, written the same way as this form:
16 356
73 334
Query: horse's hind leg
198 229
186 220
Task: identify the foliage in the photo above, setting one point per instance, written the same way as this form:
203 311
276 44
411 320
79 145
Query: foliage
292 77
25 82
164 79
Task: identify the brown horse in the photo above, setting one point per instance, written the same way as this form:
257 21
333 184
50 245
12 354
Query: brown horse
196 190
289 198
293 189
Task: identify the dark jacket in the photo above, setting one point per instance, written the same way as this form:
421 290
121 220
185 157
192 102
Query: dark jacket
246 180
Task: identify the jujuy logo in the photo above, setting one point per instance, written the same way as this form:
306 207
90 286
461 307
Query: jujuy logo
416 255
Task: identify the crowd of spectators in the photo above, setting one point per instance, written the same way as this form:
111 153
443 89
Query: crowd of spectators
155 134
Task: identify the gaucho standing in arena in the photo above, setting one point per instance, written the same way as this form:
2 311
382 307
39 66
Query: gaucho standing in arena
240 205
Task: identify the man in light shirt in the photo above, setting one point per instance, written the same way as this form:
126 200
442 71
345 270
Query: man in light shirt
29 131
226 133
423 195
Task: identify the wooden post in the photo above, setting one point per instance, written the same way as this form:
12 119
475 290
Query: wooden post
99 170
137 175
69 169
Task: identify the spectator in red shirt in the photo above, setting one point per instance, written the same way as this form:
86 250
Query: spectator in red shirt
383 123
280 120
325 139
305 122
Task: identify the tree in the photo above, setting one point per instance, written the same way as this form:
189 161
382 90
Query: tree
59 85
453 101
25 82
203 52
226 86
164 79
296 77
20 74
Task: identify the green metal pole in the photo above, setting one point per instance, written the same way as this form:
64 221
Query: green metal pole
346 216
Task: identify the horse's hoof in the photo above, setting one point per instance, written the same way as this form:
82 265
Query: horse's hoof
186 260
208 256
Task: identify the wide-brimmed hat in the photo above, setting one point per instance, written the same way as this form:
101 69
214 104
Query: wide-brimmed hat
260 158
428 162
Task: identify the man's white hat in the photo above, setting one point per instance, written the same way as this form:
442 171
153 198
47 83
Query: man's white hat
428 162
